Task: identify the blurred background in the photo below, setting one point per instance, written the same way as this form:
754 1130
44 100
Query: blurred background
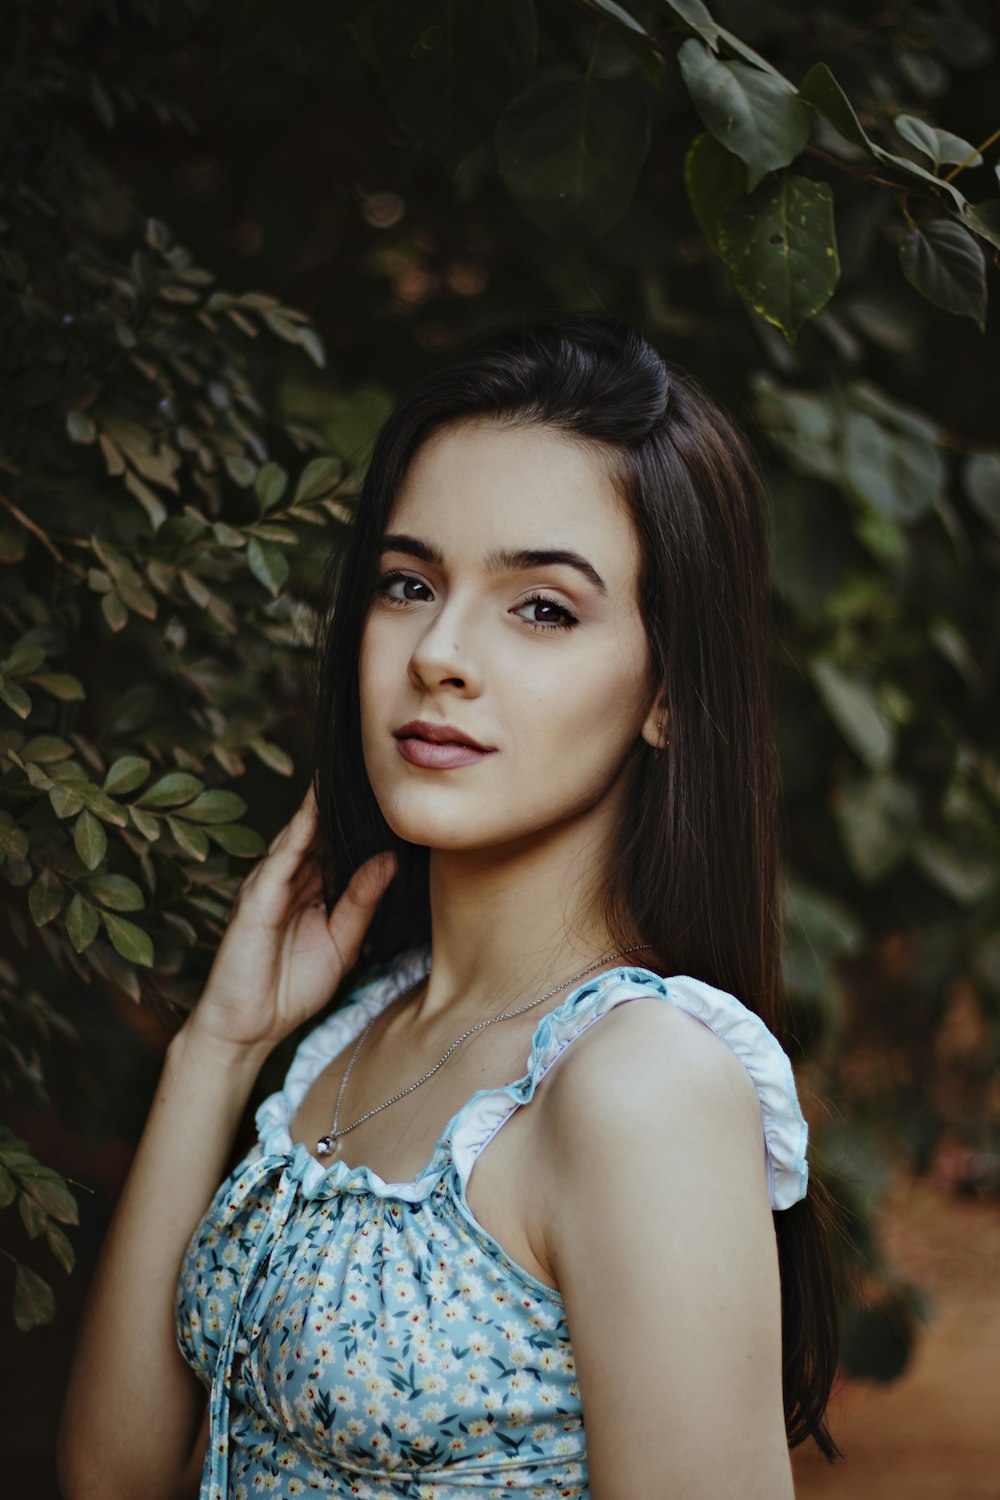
229 231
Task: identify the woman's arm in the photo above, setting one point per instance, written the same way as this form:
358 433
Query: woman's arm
133 1407
131 1421
661 1239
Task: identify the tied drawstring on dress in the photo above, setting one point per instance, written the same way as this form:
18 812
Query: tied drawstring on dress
217 1456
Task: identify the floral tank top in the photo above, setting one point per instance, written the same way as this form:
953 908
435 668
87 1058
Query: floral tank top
367 1338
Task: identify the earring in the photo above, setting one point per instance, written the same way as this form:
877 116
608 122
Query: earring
659 731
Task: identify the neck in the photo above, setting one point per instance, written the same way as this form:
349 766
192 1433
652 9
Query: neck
511 922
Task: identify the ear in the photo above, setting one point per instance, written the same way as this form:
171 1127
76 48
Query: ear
654 731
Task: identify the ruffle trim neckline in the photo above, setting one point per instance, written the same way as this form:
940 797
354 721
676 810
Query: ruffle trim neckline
480 1117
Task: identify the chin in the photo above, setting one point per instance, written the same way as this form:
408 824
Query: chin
433 827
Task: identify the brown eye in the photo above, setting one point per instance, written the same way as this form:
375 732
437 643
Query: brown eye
388 581
558 617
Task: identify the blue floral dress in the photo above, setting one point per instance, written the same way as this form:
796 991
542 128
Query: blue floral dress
371 1339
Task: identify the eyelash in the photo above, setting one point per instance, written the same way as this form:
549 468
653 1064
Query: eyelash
567 623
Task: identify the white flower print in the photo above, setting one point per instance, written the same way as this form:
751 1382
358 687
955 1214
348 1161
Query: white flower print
374 1332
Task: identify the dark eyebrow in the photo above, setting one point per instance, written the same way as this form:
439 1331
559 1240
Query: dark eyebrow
413 548
504 559
544 557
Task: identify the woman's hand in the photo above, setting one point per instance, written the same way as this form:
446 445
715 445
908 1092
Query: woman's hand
282 957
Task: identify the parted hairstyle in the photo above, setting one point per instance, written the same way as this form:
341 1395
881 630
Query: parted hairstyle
696 870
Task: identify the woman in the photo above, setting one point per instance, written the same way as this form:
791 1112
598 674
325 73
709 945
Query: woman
542 749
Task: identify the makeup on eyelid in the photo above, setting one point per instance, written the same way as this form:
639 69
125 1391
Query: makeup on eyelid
567 622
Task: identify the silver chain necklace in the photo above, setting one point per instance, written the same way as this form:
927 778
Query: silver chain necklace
331 1141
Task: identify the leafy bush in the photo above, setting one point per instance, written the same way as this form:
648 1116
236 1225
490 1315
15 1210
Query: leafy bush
768 190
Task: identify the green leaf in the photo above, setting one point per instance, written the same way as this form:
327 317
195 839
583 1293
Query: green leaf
89 839
146 823
13 840
817 930
946 265
984 219
899 476
215 806
715 180
193 841
8 1188
854 709
228 536
100 803
137 598
15 698
878 817
34 1303
755 115
268 564
308 339
125 774
24 659
116 891
55 1197
738 45
61 1248
61 685
114 611
940 145
266 531
781 250
81 922
273 756
151 503
963 872
129 940
66 802
46 750
242 471
269 485
570 152
245 843
318 478
32 1217
448 70
820 89
981 477
698 17
171 790
617 13
80 428
45 898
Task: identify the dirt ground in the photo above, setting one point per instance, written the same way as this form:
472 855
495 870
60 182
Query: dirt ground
934 1434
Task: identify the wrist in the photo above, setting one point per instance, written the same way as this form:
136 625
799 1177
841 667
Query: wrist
194 1041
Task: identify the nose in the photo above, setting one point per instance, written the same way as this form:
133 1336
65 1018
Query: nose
443 654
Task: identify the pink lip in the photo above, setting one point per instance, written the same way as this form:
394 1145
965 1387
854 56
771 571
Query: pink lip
439 747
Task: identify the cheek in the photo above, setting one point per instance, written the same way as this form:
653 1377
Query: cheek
375 664
590 709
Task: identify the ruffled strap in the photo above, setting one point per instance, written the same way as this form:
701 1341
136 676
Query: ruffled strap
785 1132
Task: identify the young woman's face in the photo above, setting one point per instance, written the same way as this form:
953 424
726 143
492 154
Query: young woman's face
542 662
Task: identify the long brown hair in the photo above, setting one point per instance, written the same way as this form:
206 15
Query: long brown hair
696 872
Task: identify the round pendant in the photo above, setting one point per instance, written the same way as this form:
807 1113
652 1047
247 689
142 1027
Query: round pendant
325 1146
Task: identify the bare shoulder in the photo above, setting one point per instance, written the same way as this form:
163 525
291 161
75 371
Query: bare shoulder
647 1073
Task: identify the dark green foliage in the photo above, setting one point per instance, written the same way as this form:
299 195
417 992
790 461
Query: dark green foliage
802 206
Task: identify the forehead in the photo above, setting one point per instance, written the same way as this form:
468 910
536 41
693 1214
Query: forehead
475 485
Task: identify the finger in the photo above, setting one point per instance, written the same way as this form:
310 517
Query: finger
352 914
300 829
